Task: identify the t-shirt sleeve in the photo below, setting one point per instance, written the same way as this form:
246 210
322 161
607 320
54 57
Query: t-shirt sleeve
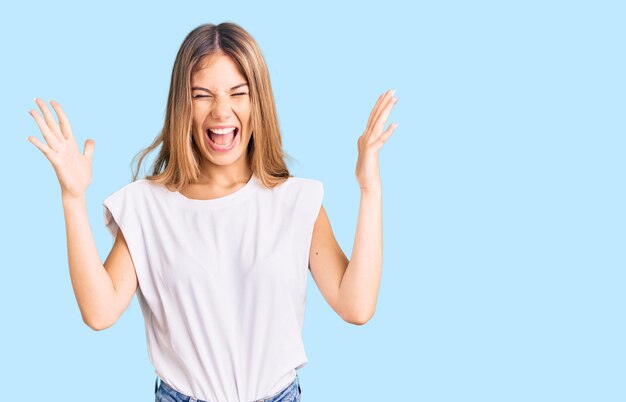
118 211
128 210
109 220
316 194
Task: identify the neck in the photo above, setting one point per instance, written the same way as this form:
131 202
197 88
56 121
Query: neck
224 176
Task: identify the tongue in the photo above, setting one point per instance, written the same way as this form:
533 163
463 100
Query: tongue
222 139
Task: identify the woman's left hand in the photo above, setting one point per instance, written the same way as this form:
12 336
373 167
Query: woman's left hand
367 171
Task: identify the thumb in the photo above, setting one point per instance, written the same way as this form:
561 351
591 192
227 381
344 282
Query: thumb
89 146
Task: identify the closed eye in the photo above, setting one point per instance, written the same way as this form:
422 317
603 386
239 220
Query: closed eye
204 96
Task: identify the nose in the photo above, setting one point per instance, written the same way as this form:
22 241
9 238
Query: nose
221 107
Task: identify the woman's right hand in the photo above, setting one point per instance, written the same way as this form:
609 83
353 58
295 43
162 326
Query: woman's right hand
73 169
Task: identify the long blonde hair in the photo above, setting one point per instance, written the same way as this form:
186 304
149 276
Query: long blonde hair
178 162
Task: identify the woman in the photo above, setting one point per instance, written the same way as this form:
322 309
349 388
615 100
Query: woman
218 239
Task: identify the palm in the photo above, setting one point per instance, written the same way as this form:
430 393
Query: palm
73 169
367 172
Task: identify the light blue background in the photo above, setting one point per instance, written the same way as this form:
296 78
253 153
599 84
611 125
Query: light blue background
503 276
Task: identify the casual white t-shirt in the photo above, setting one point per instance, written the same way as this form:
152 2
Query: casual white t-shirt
222 282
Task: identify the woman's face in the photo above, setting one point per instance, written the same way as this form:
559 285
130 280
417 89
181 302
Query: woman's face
220 101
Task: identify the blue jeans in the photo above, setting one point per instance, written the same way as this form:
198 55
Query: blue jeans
165 393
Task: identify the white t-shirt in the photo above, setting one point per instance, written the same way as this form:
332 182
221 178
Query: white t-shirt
222 282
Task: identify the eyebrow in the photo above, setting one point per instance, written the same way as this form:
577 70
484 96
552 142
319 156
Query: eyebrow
209 91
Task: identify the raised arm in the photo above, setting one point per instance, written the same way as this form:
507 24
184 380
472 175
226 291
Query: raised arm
102 293
351 286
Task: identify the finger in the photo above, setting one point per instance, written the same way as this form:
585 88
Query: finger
42 147
372 113
384 111
52 124
66 129
381 120
390 130
89 146
51 139
379 107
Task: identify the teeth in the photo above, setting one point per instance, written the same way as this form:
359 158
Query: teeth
222 130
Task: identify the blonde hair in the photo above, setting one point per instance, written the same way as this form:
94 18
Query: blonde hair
178 161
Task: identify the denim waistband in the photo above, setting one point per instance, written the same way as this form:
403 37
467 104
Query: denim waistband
287 391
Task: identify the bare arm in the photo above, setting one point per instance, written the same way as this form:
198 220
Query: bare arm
358 290
103 291
351 286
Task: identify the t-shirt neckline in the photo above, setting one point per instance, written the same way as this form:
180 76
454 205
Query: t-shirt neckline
228 198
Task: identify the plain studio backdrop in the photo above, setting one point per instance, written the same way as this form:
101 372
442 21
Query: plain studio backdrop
503 191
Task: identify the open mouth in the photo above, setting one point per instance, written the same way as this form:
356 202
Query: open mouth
222 139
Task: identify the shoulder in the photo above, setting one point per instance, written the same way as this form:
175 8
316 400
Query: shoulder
296 189
127 204
132 189
305 183
303 194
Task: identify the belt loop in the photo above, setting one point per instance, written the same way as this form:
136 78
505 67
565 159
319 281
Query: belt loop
156 382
